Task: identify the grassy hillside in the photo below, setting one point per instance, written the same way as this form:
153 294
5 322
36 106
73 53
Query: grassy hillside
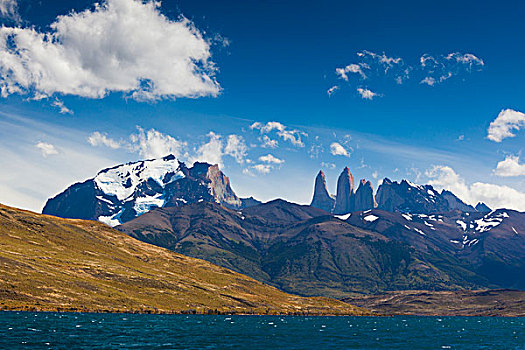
48 263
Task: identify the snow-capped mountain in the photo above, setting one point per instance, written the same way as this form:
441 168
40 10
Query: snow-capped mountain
121 193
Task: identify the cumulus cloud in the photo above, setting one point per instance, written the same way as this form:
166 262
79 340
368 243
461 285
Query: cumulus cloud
47 149
153 144
504 125
366 94
268 163
211 151
338 150
269 158
291 135
510 167
236 147
495 196
123 46
268 142
102 139
258 168
351 68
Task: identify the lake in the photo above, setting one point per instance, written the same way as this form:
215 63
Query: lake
29 330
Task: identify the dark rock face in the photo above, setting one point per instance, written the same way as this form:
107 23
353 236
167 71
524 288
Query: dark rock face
483 208
204 182
364 196
249 202
119 194
407 197
344 201
322 199
454 203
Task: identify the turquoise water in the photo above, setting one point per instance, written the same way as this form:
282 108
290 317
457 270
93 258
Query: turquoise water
19 330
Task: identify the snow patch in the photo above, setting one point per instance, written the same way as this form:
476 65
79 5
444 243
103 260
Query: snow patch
343 217
462 224
419 231
147 203
370 218
123 180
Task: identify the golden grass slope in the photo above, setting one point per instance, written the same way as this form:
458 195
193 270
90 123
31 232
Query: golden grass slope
54 264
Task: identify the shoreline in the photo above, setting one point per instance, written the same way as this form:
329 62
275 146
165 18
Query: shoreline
202 312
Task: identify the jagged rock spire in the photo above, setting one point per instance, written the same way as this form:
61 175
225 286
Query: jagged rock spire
344 202
364 196
322 199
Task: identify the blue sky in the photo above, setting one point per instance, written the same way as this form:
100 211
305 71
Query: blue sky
130 80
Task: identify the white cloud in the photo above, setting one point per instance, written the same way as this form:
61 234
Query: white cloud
271 159
375 175
212 151
119 46
291 135
381 58
154 144
99 139
61 107
338 150
506 122
495 196
467 59
268 142
351 68
366 94
260 168
328 165
428 81
9 9
47 149
266 128
510 167
430 70
332 90
236 147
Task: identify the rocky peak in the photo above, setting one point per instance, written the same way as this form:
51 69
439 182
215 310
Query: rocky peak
344 202
322 199
454 203
364 196
483 208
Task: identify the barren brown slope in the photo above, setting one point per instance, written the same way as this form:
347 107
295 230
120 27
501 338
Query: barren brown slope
496 302
48 263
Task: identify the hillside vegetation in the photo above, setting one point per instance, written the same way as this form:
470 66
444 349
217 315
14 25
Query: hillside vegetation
54 264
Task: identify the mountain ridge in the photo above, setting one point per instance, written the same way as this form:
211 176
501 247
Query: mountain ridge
54 264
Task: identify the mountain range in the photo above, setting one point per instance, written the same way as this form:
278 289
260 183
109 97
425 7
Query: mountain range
53 264
404 237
